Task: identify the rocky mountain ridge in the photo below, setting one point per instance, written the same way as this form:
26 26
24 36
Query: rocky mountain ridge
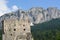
35 15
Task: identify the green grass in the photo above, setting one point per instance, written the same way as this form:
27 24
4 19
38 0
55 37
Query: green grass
47 31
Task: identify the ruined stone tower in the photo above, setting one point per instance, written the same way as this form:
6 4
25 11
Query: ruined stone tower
14 29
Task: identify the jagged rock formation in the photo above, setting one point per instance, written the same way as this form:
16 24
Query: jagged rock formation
36 14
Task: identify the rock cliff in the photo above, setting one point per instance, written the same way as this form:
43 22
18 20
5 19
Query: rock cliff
35 15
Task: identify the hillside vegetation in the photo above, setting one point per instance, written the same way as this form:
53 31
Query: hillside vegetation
47 31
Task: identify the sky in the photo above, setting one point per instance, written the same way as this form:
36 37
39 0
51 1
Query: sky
12 5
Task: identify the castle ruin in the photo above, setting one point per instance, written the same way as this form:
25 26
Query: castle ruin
14 29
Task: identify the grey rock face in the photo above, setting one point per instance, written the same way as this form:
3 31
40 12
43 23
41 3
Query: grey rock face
36 15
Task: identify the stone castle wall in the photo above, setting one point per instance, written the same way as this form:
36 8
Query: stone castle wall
17 29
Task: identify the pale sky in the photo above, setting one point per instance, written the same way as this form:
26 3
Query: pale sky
12 5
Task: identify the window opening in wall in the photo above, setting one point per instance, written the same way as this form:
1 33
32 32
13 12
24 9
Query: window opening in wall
14 29
11 34
24 29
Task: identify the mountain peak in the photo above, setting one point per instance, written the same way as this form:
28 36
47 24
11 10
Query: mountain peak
35 14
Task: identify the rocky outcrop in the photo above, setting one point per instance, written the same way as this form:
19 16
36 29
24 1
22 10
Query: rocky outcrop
36 14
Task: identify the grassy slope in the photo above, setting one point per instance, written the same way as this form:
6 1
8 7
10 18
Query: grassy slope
47 31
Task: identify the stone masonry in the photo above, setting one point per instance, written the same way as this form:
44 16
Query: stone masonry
15 29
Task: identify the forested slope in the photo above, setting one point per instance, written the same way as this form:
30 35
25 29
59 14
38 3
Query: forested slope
47 31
